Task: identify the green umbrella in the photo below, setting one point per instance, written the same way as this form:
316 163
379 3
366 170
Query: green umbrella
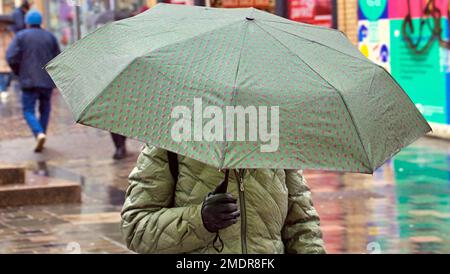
238 88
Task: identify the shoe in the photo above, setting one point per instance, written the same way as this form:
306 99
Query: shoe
120 153
40 141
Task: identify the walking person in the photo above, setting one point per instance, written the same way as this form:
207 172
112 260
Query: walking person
28 53
119 143
18 17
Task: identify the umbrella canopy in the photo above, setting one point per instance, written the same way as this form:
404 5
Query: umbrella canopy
317 102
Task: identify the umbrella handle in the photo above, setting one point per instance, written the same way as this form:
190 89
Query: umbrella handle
223 186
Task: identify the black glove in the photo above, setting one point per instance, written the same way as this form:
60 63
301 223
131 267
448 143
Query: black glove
219 211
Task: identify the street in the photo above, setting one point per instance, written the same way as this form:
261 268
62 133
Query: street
402 208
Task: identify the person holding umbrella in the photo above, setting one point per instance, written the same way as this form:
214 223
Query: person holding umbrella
274 212
330 109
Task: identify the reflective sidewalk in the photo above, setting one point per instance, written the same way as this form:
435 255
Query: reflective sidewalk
403 208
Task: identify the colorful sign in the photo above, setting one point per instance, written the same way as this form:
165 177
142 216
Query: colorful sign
372 10
316 12
398 9
374 41
425 77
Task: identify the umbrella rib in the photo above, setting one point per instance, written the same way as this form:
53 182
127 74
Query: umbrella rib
336 89
293 23
319 43
234 94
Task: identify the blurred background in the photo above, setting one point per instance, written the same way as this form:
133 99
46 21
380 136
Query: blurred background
67 199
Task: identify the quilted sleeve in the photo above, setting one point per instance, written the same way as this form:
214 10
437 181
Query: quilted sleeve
150 223
301 232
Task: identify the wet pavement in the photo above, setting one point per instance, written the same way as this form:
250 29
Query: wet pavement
76 153
403 208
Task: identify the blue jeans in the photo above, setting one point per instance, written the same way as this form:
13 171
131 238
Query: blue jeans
29 99
5 79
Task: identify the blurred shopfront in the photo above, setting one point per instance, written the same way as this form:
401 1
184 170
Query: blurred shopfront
267 5
7 6
409 38
317 12
60 15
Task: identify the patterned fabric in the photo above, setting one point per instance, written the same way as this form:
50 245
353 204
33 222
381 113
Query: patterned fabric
160 216
338 110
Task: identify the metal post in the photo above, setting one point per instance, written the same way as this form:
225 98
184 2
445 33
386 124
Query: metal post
47 15
281 8
334 4
78 21
199 2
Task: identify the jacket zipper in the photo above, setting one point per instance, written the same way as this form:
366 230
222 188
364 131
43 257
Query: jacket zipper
240 181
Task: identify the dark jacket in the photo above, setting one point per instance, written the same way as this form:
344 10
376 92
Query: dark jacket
18 17
28 53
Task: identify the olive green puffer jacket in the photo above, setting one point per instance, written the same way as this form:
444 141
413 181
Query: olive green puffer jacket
159 216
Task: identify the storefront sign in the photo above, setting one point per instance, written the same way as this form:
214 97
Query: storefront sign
316 12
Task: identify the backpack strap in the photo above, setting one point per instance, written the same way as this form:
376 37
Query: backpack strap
173 164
